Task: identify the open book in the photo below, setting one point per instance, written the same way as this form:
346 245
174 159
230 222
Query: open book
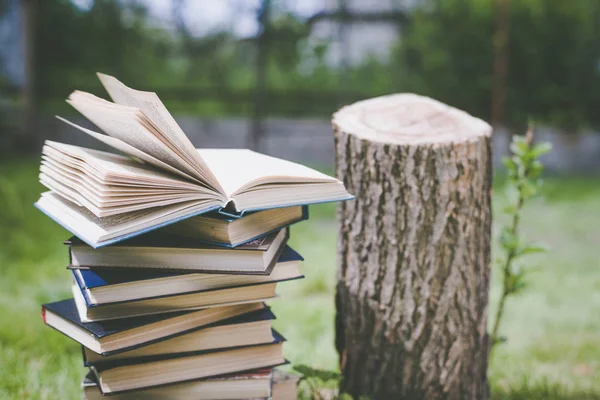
104 198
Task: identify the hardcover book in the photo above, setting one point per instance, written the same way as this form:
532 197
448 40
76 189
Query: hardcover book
112 337
256 293
246 330
104 198
102 286
257 385
231 230
160 372
159 251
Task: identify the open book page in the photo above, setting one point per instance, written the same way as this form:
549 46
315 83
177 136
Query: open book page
114 193
88 177
113 165
124 126
240 169
106 207
101 231
100 102
150 104
62 171
130 150
101 226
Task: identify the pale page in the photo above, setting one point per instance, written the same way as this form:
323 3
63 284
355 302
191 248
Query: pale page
101 198
107 179
239 169
155 110
96 231
114 164
84 167
110 189
106 209
124 126
72 164
128 149
99 101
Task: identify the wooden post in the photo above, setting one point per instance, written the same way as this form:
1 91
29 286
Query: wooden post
413 249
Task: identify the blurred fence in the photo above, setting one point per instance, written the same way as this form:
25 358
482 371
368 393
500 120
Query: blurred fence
276 89
303 135
310 140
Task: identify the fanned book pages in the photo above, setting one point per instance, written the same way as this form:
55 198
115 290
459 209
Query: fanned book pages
104 198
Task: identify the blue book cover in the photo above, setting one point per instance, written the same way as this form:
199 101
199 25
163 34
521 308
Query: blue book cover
170 244
71 228
99 277
90 304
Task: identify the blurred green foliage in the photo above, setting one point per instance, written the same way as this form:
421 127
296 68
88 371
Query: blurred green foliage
445 51
553 56
212 74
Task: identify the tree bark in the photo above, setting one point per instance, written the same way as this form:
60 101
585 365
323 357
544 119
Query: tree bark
413 249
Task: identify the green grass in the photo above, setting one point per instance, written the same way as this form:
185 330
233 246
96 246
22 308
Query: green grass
553 328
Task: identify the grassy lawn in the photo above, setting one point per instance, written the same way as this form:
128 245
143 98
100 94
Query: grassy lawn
553 328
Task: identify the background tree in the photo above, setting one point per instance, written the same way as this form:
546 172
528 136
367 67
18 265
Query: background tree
446 53
444 50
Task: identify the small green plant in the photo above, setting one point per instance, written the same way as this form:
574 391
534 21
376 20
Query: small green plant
321 384
524 170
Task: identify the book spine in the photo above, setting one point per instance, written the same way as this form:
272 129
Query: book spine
304 212
270 267
85 361
78 279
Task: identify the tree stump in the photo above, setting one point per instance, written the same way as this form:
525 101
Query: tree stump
413 249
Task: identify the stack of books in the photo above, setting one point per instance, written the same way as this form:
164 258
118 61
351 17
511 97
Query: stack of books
174 254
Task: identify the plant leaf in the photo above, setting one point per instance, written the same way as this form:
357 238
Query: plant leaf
539 149
519 146
531 249
500 339
508 240
535 169
310 372
510 164
510 209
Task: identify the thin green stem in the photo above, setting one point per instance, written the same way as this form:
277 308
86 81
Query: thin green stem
506 269
514 229
523 168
